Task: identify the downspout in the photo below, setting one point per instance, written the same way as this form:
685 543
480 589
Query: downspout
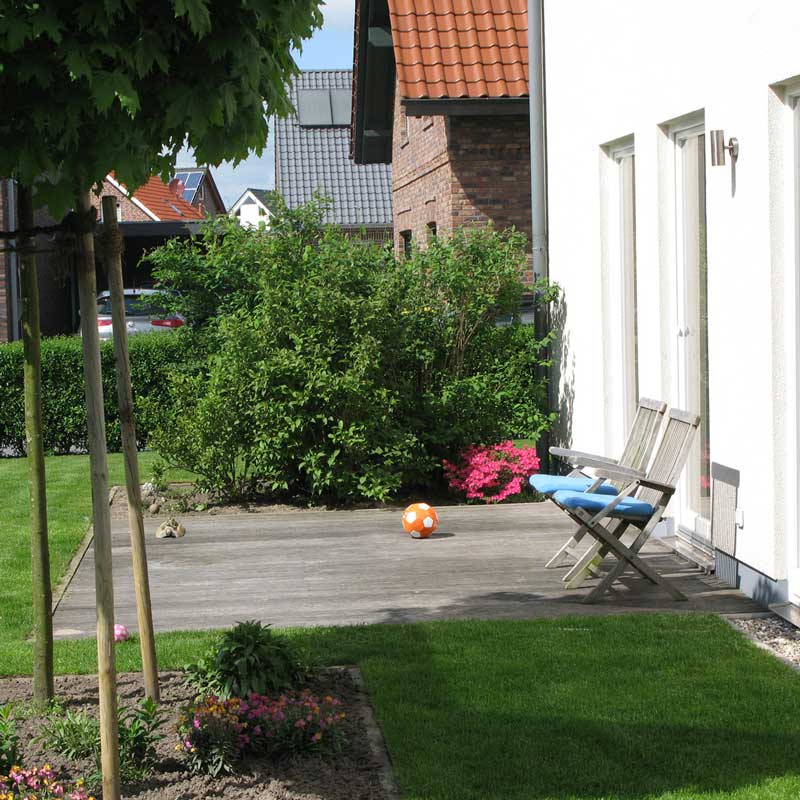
536 92
539 239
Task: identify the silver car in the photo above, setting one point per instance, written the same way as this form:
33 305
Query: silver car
142 315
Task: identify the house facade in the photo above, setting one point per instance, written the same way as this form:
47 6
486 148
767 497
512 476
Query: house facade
312 157
680 273
252 209
455 126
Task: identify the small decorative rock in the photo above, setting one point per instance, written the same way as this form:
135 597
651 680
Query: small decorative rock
154 508
171 529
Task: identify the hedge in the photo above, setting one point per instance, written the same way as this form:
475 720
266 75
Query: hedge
153 358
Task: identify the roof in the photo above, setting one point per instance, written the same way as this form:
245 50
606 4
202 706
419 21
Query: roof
157 200
460 48
312 159
261 196
193 178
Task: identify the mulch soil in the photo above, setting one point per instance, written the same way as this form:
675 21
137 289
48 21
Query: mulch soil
352 774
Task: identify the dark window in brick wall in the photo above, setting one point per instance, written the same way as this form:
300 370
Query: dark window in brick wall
405 238
431 230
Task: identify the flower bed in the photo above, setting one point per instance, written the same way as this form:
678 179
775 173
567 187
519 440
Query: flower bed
338 764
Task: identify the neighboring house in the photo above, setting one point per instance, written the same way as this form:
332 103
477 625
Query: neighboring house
680 277
148 217
312 155
252 208
441 92
199 189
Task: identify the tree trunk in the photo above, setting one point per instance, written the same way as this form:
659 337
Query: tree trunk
101 516
40 552
113 259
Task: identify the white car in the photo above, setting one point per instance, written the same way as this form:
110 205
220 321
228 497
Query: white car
141 315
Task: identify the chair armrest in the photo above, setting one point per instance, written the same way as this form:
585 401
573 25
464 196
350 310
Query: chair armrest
579 459
615 472
660 487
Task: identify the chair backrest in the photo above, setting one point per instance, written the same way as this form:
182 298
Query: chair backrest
643 434
672 452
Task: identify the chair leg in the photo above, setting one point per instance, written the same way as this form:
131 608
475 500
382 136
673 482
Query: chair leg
563 555
628 556
580 572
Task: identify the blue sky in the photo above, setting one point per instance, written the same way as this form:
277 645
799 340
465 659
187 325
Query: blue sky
331 47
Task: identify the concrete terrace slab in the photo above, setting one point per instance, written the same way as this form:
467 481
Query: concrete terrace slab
346 567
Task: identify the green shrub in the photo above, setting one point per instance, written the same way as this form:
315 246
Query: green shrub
349 374
9 740
154 358
249 658
74 735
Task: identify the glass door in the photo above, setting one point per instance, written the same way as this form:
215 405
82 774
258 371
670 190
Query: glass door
692 323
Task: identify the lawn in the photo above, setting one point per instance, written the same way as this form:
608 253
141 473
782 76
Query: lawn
69 510
675 707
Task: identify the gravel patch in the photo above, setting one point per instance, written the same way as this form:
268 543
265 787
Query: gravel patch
774 633
358 772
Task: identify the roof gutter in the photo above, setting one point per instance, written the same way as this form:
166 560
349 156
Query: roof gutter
541 268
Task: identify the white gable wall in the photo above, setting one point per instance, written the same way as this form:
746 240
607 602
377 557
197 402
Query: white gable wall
625 68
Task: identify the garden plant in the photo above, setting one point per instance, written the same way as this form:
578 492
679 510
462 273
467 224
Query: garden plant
339 372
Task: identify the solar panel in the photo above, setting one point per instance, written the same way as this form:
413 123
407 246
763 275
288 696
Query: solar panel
314 107
193 181
340 103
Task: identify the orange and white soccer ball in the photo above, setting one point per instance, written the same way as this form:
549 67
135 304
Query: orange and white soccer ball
420 520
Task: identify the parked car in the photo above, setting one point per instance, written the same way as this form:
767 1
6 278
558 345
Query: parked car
142 315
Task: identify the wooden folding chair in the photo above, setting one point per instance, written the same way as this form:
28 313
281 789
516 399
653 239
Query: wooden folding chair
635 455
639 505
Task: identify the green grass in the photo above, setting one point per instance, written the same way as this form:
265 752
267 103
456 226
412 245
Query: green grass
638 706
69 511
631 707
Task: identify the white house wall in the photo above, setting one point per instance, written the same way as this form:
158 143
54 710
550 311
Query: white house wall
629 68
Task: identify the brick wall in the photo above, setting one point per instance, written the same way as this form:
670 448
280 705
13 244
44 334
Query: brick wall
421 175
130 211
459 171
491 172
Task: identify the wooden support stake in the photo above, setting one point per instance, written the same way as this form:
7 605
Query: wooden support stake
40 551
101 515
113 260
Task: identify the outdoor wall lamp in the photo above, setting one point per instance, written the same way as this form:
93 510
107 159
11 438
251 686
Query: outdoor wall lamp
718 148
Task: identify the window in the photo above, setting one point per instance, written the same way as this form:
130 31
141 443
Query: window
431 230
692 308
405 242
626 168
619 276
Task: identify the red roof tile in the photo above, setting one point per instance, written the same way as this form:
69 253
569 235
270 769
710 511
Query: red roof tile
157 197
460 48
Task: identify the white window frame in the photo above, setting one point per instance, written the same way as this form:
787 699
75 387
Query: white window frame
790 94
620 347
690 523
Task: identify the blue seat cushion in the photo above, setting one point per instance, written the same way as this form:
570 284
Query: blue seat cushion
629 507
550 484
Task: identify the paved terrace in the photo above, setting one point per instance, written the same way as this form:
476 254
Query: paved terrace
346 567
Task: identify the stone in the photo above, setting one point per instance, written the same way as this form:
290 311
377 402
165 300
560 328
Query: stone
154 508
170 529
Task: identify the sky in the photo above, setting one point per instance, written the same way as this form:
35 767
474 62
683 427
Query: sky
331 47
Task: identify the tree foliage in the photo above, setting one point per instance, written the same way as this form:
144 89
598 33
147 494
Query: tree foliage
91 86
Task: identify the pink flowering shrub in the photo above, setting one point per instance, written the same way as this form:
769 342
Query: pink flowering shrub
492 473
39 784
214 734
